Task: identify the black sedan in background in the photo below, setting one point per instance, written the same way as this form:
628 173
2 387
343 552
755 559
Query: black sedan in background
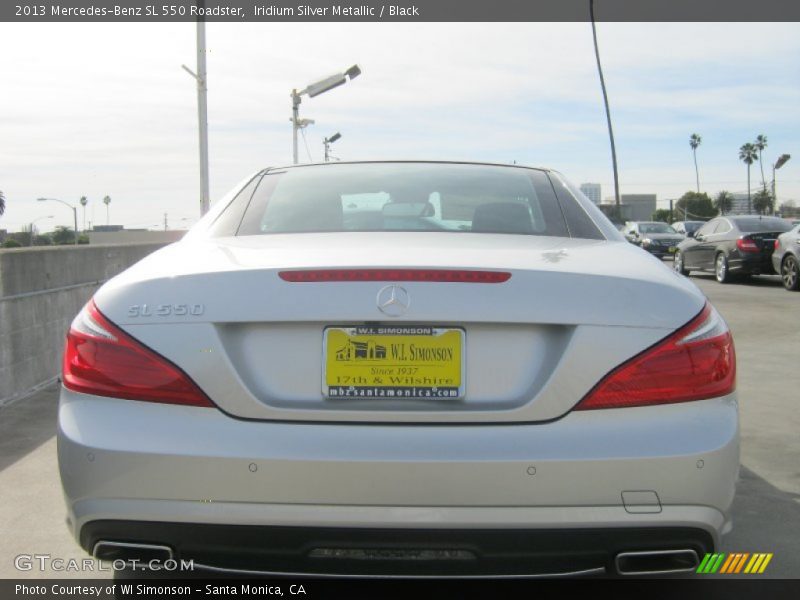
656 237
786 258
731 246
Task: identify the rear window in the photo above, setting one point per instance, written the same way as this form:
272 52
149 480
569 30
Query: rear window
440 197
655 228
756 225
692 226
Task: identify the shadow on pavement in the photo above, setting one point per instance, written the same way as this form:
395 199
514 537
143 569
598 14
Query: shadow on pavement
27 424
766 519
752 281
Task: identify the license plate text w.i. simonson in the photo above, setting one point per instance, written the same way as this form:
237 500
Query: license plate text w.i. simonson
393 362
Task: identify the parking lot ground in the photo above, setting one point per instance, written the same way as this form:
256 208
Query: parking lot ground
762 315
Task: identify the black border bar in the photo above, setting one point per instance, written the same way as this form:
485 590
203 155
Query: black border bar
415 11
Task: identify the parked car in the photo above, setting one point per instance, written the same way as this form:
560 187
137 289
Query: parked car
731 246
656 237
687 228
786 258
401 368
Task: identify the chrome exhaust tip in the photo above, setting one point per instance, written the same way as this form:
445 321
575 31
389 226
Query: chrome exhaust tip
656 562
129 551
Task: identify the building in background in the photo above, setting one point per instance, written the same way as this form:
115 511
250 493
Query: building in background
591 191
641 206
739 206
633 207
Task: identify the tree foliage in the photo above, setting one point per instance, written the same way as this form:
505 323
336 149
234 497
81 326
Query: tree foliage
2 203
692 206
63 235
723 202
763 203
760 145
661 214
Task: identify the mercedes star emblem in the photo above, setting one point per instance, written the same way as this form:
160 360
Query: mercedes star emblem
393 300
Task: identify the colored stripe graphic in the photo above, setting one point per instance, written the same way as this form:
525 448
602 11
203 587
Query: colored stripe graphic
732 558
734 563
754 562
710 563
765 563
702 567
716 564
739 566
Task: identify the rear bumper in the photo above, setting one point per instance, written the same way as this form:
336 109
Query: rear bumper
751 264
661 251
669 468
381 551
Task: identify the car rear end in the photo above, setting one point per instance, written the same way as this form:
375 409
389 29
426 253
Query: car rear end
754 248
404 402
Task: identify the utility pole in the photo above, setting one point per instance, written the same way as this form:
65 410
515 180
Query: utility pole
202 108
165 221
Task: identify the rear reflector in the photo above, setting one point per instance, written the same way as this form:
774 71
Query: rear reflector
694 363
433 275
101 359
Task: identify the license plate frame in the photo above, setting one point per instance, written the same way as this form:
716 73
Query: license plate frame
420 379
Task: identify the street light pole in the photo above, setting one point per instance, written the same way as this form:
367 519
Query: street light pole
295 114
315 89
782 159
202 112
74 213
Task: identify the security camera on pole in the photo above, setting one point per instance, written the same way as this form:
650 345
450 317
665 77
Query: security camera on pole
315 89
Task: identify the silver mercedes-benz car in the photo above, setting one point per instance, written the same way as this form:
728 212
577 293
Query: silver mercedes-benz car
401 368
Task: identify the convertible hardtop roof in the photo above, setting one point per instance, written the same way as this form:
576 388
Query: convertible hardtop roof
406 161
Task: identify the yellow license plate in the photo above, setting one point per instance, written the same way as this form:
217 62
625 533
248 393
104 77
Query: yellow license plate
672 249
400 362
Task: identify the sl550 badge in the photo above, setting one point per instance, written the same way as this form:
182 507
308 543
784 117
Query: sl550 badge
166 310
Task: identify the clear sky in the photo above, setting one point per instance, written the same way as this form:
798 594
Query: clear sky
97 109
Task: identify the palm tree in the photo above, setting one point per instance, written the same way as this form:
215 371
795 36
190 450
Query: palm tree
748 155
107 201
2 203
83 202
723 202
761 143
694 141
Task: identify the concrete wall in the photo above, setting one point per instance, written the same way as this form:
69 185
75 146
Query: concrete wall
135 237
41 291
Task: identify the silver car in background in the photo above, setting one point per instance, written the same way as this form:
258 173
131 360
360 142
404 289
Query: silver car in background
403 368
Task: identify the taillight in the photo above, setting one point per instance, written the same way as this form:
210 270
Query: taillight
746 245
432 275
101 359
776 244
695 363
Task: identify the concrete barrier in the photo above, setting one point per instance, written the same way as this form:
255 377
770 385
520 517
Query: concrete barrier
41 291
